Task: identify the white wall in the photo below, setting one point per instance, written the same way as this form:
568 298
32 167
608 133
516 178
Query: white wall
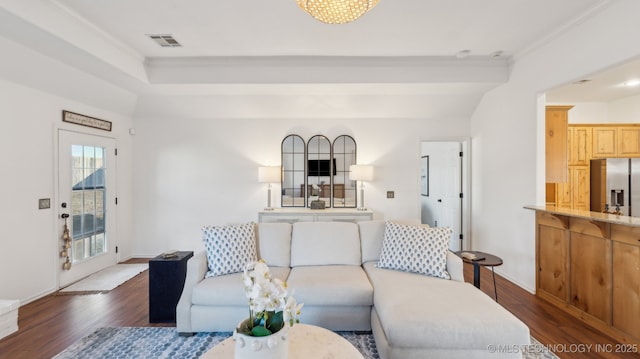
626 110
30 115
507 133
588 112
191 172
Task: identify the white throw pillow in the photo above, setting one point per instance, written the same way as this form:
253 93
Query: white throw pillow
229 248
416 249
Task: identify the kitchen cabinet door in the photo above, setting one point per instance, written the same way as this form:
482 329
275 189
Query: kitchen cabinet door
580 187
552 255
605 142
564 196
579 145
628 142
626 288
626 279
556 143
590 271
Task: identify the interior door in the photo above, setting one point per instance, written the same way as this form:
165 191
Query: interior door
441 184
86 197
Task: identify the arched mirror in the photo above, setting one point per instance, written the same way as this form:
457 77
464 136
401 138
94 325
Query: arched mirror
320 170
344 190
293 171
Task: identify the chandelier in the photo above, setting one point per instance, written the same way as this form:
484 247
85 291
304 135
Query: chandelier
336 11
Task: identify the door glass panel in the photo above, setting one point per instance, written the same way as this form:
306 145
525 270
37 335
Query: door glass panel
88 202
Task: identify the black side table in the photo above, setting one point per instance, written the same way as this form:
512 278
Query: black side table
489 260
166 281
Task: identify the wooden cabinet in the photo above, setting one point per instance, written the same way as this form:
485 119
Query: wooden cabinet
575 193
588 264
628 142
556 143
579 145
615 141
564 195
580 187
604 142
552 253
626 279
586 142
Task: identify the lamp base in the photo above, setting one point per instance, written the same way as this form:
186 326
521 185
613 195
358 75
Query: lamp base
269 208
361 208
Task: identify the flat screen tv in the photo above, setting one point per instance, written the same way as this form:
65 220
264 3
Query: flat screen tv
320 167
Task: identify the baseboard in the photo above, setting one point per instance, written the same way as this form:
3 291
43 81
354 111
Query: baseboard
514 281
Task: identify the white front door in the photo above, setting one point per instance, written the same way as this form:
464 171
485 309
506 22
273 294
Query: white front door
441 184
86 196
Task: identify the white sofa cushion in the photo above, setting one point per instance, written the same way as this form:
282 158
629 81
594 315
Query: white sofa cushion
229 248
325 243
415 248
371 237
335 285
228 290
274 243
419 311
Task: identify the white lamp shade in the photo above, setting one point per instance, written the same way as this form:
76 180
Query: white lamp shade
269 174
361 173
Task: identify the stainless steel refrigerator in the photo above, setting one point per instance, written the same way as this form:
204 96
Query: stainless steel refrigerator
615 184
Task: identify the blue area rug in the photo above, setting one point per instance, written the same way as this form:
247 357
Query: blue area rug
111 343
163 342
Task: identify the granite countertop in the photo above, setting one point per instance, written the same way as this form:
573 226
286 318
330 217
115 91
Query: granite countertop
592 216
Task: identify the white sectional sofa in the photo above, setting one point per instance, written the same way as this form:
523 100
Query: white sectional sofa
332 268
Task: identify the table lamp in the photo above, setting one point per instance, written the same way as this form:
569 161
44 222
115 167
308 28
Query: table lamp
361 173
269 175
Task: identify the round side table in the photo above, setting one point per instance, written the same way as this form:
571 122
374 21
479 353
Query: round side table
486 260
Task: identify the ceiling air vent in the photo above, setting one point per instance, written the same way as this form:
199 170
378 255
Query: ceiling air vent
165 40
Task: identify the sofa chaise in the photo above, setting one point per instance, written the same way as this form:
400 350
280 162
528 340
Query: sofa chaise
332 268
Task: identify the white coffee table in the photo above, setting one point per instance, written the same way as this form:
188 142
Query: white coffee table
305 342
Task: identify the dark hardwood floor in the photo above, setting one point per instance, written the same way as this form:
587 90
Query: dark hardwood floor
50 324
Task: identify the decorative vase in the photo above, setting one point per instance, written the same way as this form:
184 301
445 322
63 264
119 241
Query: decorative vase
274 346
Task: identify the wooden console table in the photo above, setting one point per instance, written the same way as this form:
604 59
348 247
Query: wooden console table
588 264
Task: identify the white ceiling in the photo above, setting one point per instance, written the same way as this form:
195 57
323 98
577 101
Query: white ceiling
605 86
280 27
257 42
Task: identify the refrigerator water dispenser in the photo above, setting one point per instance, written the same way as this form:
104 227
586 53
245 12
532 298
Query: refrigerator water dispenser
617 197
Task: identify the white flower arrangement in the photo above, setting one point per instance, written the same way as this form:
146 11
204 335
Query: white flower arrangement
271 305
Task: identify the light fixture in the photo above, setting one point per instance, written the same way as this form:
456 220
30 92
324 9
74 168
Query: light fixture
336 11
632 83
269 174
361 173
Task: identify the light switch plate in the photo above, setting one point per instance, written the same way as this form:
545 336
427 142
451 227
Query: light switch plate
391 194
44 203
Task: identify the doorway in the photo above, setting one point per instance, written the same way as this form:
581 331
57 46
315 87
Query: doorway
86 197
442 185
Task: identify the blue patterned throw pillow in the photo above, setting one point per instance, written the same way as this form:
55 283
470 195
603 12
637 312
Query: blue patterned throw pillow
417 249
229 248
